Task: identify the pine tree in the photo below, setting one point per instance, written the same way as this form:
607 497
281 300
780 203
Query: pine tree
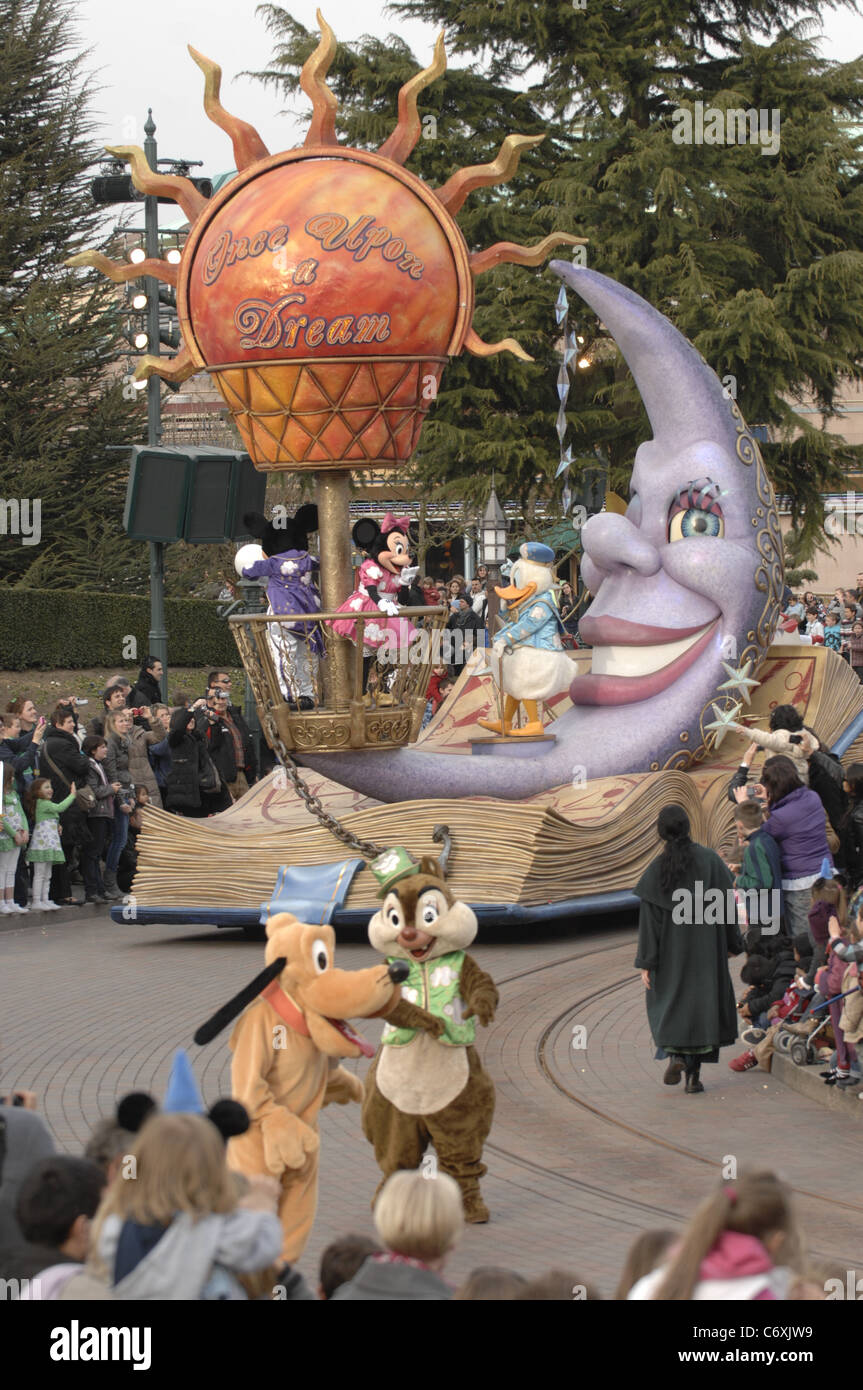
756 257
61 398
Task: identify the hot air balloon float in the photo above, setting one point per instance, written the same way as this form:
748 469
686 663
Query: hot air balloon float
324 289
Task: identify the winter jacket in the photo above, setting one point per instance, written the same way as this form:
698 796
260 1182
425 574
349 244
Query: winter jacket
776 741
738 1267
117 760
220 746
140 771
160 761
62 749
761 865
850 854
784 969
145 691
826 776
28 1139
797 825
97 781
851 1018
829 981
180 1265
387 1280
188 763
20 758
250 756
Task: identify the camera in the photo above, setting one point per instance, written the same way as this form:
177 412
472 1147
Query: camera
751 793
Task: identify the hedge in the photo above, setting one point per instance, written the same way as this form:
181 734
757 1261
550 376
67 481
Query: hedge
45 629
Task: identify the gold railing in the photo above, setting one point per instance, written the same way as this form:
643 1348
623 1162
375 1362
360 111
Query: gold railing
340 698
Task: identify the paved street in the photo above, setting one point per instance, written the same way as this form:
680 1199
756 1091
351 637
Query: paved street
588 1147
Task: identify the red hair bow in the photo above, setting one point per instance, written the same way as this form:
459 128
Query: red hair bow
395 523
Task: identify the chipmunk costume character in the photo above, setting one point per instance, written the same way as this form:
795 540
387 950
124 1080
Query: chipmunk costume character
427 1085
285 1066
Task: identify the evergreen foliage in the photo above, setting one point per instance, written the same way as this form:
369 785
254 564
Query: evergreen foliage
61 398
755 255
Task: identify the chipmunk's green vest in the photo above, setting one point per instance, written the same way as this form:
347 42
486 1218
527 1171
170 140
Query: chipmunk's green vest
434 985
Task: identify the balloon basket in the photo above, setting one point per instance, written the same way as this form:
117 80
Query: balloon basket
309 701
330 412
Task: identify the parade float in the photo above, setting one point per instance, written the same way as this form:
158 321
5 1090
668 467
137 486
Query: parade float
324 289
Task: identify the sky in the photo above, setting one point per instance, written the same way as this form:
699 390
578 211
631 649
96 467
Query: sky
140 60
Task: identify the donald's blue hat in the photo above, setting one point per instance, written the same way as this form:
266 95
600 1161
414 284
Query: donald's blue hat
537 552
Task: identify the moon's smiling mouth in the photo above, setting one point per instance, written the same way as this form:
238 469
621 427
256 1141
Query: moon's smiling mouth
623 672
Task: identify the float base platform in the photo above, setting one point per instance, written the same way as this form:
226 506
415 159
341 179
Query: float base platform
488 914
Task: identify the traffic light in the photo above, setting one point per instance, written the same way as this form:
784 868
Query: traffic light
119 188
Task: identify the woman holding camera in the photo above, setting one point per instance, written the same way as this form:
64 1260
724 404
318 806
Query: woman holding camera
140 740
63 763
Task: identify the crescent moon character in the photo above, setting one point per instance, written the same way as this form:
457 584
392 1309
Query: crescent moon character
690 576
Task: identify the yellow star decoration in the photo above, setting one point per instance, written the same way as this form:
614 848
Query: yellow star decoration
723 722
739 680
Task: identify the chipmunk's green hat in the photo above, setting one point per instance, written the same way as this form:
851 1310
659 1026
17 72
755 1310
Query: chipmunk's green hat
391 866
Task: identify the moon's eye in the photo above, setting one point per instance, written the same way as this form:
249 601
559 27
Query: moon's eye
393 914
320 956
430 913
695 511
398 548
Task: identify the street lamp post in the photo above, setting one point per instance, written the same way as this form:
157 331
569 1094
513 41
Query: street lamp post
158 636
492 544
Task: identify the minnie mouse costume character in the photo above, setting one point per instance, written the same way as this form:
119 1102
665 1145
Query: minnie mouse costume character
288 569
385 580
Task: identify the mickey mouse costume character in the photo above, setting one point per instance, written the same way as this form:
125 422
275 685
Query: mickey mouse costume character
288 568
386 579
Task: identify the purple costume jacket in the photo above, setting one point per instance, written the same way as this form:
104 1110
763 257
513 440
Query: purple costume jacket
291 589
797 825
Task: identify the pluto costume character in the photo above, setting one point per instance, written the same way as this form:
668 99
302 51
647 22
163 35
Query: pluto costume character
528 662
427 1085
285 1066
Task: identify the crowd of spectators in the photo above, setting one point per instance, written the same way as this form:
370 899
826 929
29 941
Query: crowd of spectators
73 1227
73 795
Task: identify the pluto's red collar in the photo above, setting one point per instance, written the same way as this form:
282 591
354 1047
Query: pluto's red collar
286 1008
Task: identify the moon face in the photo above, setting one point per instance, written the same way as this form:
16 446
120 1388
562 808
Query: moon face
689 580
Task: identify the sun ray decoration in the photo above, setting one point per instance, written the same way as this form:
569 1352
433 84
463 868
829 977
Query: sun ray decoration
175 186
119 272
248 145
500 170
325 298
322 130
512 253
401 144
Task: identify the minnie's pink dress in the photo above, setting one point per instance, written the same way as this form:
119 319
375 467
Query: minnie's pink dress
383 628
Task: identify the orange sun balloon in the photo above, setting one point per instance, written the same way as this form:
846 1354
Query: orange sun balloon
324 288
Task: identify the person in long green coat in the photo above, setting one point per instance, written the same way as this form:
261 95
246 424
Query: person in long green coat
687 928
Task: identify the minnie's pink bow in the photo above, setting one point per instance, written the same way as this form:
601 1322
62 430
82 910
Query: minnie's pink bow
395 523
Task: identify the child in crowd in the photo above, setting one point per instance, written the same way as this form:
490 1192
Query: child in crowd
731 1247
142 798
45 848
761 1040
833 632
828 982
13 835
341 1260
179 1231
56 1203
855 648
650 1249
814 626
760 865
491 1284
100 821
419 1221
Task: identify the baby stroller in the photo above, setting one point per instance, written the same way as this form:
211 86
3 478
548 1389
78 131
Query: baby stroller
803 1051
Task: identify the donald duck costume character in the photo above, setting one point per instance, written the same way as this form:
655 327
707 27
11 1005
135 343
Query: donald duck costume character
528 662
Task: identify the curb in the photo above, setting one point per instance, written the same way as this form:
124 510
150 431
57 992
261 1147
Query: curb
807 1081
19 920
